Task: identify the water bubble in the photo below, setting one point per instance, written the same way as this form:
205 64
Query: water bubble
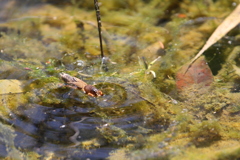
80 63
62 126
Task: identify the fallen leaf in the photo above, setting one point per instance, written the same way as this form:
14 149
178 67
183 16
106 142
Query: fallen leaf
198 73
229 23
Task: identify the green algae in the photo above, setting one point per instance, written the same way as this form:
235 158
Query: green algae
192 130
234 154
205 133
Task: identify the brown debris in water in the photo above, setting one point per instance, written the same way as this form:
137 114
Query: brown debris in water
198 73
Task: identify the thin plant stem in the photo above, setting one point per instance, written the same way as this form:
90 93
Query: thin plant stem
99 26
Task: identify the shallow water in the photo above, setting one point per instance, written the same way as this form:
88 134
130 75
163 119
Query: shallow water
139 116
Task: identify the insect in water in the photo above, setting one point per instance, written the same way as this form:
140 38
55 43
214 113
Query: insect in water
76 83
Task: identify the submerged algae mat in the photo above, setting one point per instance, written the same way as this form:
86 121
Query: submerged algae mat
139 116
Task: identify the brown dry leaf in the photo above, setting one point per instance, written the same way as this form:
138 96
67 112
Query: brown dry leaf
229 23
199 73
